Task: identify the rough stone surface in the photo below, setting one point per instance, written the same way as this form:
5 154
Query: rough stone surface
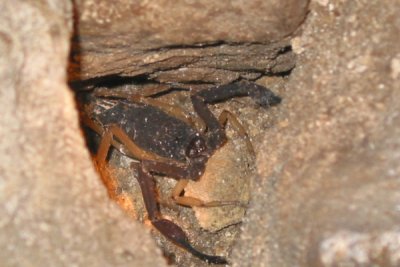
327 193
140 37
54 210
163 23
328 187
227 178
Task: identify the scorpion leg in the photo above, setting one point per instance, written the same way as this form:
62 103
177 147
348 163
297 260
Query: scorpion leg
181 173
134 150
97 128
237 125
104 147
179 188
261 95
196 202
146 181
216 134
166 227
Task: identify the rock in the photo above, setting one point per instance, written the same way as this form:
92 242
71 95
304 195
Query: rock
54 209
227 178
328 191
140 38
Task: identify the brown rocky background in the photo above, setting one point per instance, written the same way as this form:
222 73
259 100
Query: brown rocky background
326 192
54 209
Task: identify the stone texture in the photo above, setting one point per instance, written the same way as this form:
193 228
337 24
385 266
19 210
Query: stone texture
54 209
328 191
227 178
140 37
163 23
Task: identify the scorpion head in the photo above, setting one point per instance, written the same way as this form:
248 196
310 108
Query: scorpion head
197 148
197 155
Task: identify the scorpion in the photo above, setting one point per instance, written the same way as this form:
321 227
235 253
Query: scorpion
165 143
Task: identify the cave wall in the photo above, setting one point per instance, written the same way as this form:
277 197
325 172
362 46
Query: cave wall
54 209
327 189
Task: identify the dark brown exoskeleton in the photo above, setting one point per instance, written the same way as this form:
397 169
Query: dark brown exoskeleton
169 146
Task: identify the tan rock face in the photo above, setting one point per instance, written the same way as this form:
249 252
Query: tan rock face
327 189
154 44
227 178
54 210
142 37
154 24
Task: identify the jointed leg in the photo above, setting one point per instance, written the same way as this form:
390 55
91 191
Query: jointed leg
166 227
103 149
237 125
260 94
147 185
195 202
94 126
135 151
216 134
181 173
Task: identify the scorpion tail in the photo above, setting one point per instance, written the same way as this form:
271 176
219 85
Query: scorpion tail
178 236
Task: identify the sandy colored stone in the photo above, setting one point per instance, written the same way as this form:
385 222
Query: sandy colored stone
227 178
144 37
54 209
328 191
163 23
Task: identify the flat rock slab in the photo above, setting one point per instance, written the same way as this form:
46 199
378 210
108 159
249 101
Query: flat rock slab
140 37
